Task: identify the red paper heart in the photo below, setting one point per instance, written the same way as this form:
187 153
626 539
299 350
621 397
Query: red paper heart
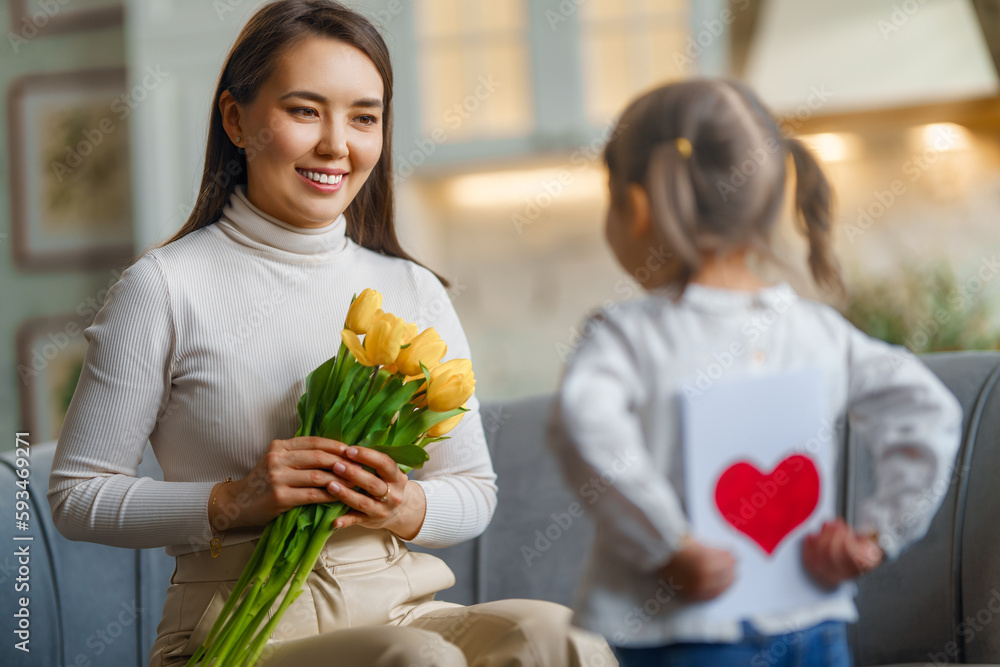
766 508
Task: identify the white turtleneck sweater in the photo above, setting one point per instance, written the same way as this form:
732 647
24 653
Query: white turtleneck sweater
203 346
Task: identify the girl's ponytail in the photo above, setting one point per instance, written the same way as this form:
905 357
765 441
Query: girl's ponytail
813 211
674 206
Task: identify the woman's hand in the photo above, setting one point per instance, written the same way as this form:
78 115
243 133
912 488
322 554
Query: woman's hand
836 553
309 469
394 501
701 572
290 473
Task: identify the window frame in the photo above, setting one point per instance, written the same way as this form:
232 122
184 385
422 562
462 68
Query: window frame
557 89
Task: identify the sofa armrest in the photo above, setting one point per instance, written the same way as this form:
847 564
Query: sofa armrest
89 604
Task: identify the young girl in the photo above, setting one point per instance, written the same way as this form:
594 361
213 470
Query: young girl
697 174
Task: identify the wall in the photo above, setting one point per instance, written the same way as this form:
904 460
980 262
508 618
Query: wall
45 293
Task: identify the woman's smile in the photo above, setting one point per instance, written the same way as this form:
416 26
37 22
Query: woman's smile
324 181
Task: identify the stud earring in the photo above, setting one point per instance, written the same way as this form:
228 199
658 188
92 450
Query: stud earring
237 140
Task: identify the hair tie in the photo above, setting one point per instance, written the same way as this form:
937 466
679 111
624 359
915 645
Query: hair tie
683 147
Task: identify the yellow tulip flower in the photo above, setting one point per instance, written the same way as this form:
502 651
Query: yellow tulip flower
451 385
362 310
382 342
355 347
426 348
409 332
441 428
384 338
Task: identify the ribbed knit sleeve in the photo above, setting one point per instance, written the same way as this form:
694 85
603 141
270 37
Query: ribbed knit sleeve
458 480
94 494
913 426
594 427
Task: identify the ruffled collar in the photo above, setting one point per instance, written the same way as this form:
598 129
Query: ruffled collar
264 229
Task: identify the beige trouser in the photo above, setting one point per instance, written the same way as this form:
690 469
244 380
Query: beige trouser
369 601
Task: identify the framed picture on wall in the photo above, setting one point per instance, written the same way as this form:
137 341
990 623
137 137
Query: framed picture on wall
50 354
38 17
70 180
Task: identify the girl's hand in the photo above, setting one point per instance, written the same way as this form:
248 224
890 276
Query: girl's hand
393 501
290 473
836 553
702 572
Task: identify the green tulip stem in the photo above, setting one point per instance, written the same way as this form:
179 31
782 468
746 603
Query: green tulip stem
323 529
249 572
235 629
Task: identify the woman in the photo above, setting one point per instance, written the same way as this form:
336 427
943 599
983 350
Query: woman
202 348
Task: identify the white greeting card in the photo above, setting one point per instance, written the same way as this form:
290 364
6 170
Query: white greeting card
760 458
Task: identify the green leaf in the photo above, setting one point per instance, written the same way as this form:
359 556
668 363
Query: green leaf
336 428
376 383
315 383
393 397
301 408
422 422
412 456
346 390
330 386
401 397
317 380
397 403
407 414
373 406
374 438
347 362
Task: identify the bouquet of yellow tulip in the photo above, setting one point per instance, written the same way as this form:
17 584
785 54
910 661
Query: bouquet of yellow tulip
369 395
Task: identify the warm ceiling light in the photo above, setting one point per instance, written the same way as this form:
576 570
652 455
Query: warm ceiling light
940 137
831 146
517 188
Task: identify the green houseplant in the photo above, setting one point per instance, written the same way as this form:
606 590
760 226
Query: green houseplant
925 308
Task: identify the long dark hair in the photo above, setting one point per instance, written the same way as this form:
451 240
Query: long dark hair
712 160
271 31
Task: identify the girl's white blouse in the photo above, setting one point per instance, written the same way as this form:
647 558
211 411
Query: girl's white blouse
617 416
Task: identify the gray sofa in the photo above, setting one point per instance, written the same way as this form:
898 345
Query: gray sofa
97 605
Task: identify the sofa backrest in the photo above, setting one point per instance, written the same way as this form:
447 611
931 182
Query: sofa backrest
536 543
915 609
98 605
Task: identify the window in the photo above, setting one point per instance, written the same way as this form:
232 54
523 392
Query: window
628 46
474 66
